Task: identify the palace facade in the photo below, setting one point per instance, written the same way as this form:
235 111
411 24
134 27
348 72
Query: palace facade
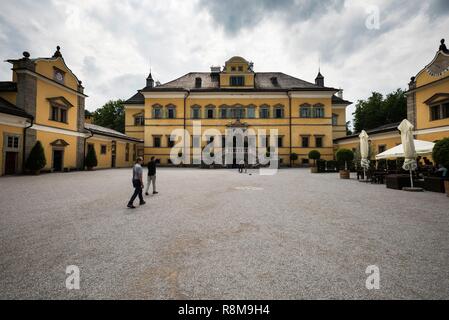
44 101
427 109
308 116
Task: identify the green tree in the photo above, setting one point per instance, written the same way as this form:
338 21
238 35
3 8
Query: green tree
314 155
91 157
377 110
293 157
344 155
111 115
441 152
36 160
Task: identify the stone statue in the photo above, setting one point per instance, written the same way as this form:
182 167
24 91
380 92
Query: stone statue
443 47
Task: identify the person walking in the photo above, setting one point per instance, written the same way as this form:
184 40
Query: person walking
151 176
137 183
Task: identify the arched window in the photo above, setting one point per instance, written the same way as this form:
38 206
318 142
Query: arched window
305 110
171 111
196 111
251 111
210 111
278 111
238 111
318 110
264 111
157 111
224 111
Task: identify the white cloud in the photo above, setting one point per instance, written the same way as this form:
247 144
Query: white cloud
109 44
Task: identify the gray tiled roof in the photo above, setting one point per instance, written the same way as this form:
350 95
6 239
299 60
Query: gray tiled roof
138 98
8 86
393 127
338 100
8 108
263 82
107 131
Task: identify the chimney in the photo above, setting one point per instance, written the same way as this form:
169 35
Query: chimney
340 93
319 80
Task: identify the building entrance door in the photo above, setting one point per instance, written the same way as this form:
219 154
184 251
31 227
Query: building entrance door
58 157
11 162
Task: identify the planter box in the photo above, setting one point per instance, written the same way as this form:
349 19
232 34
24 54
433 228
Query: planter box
397 181
435 184
345 174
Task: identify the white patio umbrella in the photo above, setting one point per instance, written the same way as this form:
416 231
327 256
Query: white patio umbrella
408 145
421 148
364 151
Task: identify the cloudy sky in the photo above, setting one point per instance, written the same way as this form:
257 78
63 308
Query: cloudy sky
111 44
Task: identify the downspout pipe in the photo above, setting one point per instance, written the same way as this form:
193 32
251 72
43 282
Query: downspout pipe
290 125
24 143
84 151
185 118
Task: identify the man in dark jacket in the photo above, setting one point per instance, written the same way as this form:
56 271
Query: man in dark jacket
151 176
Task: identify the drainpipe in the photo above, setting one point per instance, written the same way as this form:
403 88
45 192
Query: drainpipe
185 107
24 143
84 151
290 124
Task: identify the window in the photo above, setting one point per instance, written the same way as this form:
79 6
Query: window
382 148
196 113
305 110
171 113
240 68
439 111
127 152
232 68
139 120
445 107
334 119
223 112
319 142
264 112
103 149
209 113
279 112
157 142
237 81
305 141
280 141
58 114
318 111
251 112
157 112
170 143
239 112
13 142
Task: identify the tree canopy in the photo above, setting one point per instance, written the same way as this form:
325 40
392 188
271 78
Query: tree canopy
377 110
111 115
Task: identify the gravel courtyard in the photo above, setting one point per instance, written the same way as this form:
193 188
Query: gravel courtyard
217 234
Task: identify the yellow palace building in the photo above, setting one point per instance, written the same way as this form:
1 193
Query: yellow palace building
307 115
427 109
44 101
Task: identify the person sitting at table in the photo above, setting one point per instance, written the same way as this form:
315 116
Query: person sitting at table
442 171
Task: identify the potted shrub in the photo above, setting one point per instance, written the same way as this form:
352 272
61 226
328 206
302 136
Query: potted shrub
293 158
91 158
440 155
345 155
36 160
314 155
